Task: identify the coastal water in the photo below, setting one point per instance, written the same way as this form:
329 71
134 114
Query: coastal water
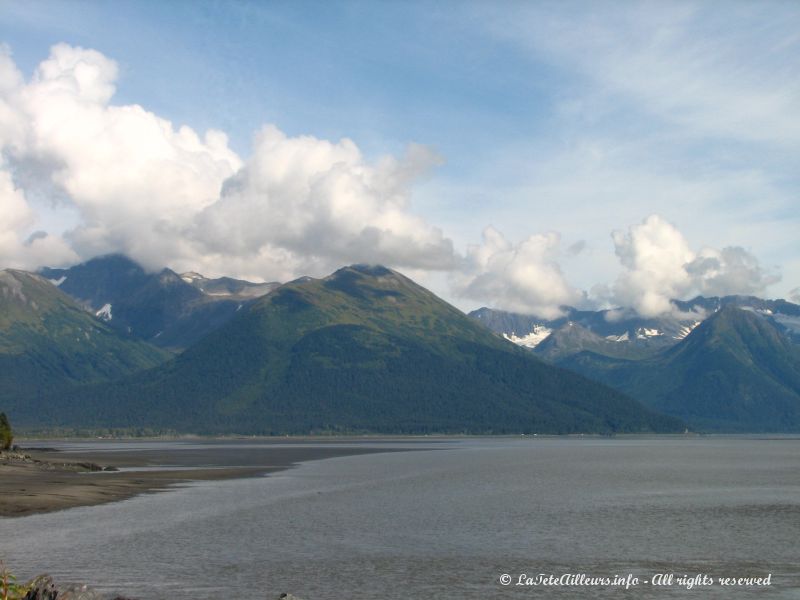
448 520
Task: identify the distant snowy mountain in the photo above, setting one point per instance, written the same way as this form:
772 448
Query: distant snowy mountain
167 309
622 332
724 364
735 372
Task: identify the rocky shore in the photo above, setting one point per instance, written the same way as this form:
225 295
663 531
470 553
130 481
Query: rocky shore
16 456
44 588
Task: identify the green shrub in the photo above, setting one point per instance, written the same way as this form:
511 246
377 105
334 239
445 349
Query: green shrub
6 435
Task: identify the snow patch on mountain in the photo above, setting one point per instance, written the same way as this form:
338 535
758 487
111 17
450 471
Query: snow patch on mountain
619 338
532 339
645 332
685 330
104 313
59 281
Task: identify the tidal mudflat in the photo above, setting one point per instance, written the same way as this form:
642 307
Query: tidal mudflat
65 474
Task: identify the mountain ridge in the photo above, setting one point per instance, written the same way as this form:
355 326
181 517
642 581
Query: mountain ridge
364 349
642 336
167 309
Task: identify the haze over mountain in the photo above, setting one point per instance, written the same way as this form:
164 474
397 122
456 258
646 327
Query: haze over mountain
167 309
365 349
47 341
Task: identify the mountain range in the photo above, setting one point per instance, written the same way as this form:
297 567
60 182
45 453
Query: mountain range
629 333
735 372
109 344
726 364
365 349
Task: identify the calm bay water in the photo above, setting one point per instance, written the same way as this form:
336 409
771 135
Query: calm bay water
446 521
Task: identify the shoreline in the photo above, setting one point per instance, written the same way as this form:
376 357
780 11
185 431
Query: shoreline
51 479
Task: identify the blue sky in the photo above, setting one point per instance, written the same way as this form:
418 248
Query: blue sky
540 119
382 73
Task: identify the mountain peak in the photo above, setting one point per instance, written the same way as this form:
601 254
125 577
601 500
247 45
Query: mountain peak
115 259
170 277
733 326
371 282
362 270
373 270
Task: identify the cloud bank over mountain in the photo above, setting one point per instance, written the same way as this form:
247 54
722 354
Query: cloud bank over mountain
524 277
134 182
163 193
660 266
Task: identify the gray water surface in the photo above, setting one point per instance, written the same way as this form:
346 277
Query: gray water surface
446 521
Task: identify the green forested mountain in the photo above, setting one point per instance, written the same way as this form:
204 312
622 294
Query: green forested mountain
48 342
365 349
736 372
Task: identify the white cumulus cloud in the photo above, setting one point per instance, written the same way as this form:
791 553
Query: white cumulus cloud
165 194
732 270
523 277
323 204
16 216
659 266
654 254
